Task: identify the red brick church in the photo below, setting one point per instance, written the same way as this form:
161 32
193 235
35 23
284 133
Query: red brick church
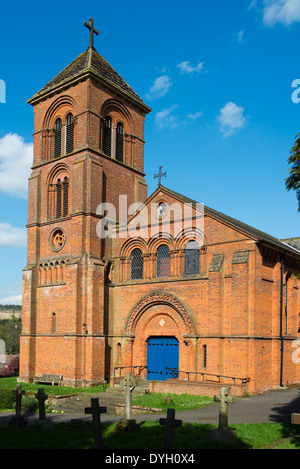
136 284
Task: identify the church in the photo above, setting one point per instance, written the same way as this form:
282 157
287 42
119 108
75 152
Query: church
118 280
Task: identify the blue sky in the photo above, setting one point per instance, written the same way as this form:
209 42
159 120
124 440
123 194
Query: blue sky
217 74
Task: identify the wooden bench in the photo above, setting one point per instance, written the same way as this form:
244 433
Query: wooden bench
48 379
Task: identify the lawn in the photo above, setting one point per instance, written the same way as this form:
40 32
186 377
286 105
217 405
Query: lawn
150 436
31 388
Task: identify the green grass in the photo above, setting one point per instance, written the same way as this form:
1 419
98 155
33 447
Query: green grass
179 401
11 383
151 436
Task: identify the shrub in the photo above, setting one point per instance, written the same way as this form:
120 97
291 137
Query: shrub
29 404
7 399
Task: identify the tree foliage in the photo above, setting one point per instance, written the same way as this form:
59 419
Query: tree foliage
293 181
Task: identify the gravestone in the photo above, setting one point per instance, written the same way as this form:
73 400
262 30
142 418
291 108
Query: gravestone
170 422
127 424
129 384
96 412
18 419
41 396
223 434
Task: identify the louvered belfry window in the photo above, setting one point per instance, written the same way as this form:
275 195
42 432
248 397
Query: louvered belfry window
191 258
62 198
163 261
57 138
136 264
69 133
120 142
107 136
58 198
65 197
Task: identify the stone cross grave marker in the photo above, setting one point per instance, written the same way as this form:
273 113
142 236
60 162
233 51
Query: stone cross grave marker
170 422
41 396
18 420
223 434
129 384
96 412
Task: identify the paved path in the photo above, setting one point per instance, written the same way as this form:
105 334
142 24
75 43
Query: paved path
272 406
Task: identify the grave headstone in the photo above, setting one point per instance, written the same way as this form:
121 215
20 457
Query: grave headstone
170 422
127 424
41 396
223 434
96 412
18 419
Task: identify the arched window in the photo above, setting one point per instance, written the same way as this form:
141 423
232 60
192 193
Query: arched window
57 138
191 258
136 264
107 136
62 197
163 261
120 142
69 133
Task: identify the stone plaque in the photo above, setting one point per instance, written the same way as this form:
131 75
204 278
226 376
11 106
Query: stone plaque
240 257
216 263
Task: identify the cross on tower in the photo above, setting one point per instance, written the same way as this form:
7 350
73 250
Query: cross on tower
93 31
160 175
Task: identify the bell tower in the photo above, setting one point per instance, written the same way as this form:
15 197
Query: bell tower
88 149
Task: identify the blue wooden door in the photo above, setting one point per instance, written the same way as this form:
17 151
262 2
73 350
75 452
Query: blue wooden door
162 358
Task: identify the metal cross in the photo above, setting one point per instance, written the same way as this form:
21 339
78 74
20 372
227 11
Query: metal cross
160 175
93 31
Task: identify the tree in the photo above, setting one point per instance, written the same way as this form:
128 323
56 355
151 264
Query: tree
293 181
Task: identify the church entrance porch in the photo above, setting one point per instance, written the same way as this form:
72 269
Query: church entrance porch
162 358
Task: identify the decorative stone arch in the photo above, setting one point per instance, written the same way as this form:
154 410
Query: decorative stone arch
59 108
154 299
190 234
131 244
161 238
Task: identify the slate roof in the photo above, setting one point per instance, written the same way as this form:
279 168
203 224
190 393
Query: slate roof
283 245
90 61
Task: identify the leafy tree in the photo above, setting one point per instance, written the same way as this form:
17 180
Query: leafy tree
293 181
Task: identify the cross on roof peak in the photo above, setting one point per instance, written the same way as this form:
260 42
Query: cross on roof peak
93 31
160 175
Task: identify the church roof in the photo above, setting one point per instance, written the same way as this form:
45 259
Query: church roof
89 62
283 245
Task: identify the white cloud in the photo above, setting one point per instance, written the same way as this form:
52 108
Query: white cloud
195 115
186 67
15 163
165 118
160 87
11 300
281 11
231 118
12 237
253 4
240 35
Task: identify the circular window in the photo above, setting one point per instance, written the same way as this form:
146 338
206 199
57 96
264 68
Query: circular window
57 239
161 209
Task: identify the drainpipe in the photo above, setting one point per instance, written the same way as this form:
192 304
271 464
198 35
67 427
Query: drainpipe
281 318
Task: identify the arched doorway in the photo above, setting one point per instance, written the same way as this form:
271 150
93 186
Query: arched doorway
160 326
162 358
